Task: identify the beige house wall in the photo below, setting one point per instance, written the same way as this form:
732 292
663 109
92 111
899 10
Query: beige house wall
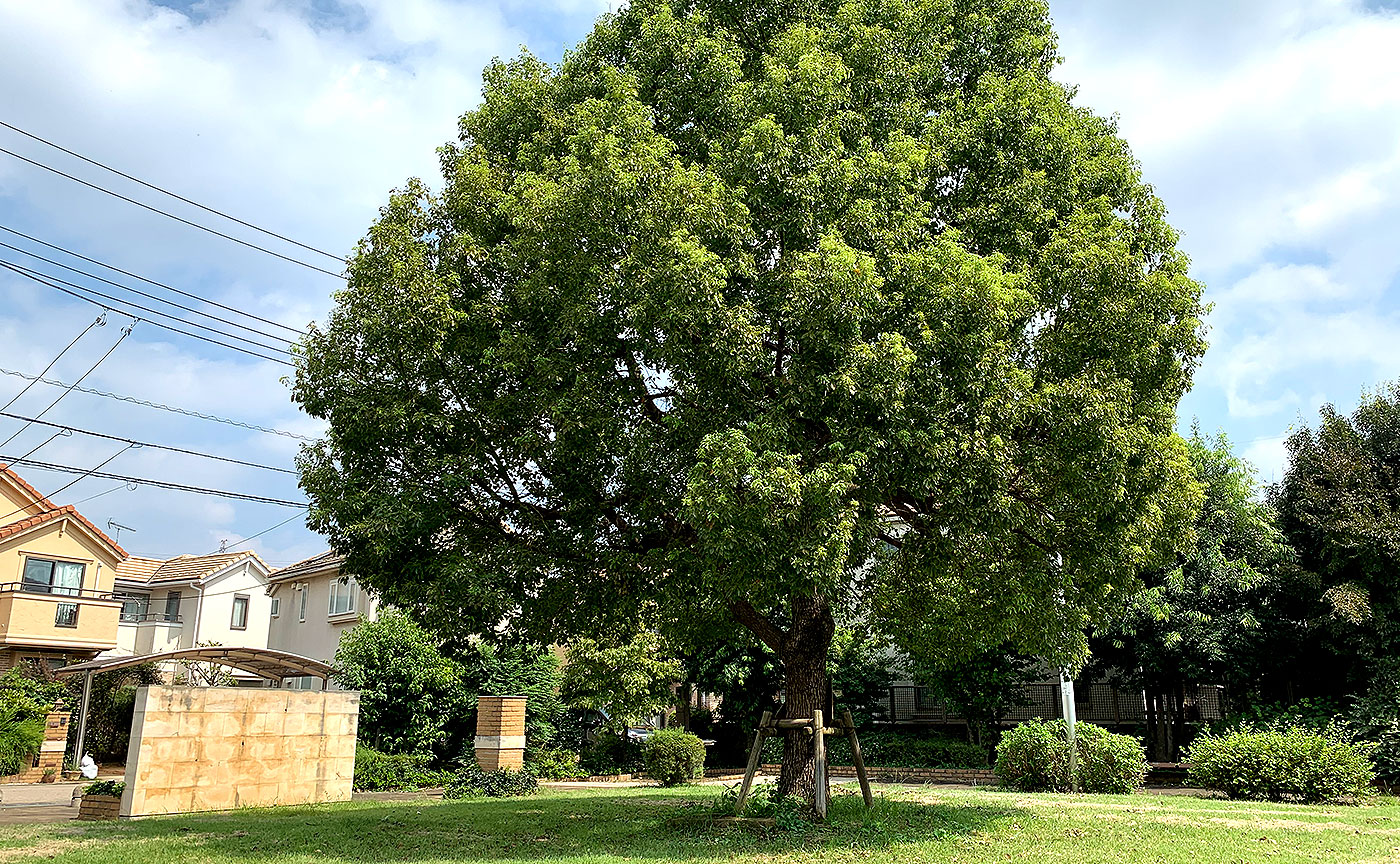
217 748
319 634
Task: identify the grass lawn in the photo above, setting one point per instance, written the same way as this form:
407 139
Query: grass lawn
656 825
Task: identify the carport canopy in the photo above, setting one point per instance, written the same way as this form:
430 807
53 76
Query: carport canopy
264 662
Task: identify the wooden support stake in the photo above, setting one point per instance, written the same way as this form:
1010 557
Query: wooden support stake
754 756
820 795
857 758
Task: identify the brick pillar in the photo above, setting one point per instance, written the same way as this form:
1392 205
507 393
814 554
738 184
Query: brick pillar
500 733
51 750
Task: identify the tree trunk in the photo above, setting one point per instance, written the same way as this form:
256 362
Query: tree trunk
683 706
803 649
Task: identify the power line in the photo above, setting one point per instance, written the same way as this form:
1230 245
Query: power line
30 271
163 191
100 322
60 426
85 474
184 411
159 484
148 295
170 215
157 284
126 331
28 274
261 533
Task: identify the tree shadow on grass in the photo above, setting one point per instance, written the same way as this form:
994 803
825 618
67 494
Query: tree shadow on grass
635 824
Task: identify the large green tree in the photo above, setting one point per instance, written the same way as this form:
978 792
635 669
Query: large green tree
773 308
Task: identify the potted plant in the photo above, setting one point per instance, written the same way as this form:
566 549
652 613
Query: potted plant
49 776
101 800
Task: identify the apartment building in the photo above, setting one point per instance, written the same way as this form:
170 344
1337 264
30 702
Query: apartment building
314 603
57 571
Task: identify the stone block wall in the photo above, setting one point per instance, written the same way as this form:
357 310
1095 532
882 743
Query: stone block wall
217 748
500 733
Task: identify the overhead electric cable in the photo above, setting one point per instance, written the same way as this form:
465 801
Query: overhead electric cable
100 322
160 484
146 294
71 429
157 284
185 411
126 331
130 487
164 191
170 215
24 271
261 533
21 460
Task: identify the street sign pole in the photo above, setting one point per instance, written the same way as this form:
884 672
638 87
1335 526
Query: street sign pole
1067 706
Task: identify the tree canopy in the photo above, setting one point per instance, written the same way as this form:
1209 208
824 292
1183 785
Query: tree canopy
752 310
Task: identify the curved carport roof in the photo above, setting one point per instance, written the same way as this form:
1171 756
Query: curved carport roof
265 662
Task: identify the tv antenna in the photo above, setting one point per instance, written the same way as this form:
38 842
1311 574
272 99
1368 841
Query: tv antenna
117 528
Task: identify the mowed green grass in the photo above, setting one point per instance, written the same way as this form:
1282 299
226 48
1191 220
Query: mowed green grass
656 825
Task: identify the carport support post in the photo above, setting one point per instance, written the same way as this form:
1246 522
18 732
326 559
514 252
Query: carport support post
82 716
1067 704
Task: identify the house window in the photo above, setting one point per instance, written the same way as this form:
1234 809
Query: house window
66 615
240 612
172 606
343 595
135 606
301 614
276 606
42 576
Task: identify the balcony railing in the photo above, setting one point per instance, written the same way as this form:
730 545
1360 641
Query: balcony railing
54 591
150 618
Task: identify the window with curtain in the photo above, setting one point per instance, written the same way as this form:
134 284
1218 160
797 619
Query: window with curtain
343 595
240 613
53 577
66 615
172 606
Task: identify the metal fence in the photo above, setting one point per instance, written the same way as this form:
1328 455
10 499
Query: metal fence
1104 704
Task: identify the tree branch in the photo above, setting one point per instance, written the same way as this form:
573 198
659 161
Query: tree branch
767 632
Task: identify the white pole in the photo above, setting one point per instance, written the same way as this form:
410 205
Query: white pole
1067 703
83 715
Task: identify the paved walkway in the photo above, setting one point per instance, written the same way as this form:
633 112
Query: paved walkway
31 803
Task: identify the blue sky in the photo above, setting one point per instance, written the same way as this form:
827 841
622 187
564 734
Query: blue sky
1271 130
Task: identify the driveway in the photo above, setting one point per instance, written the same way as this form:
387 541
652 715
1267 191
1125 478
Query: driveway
22 803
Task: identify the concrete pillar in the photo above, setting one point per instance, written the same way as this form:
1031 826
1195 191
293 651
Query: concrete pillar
500 733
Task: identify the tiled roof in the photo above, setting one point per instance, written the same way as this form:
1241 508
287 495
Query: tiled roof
181 568
19 481
310 565
51 511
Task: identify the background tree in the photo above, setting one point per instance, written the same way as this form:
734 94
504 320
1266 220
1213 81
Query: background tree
982 689
1212 616
789 306
626 683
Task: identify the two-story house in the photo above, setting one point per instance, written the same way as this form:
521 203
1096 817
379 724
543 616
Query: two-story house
314 603
192 600
56 580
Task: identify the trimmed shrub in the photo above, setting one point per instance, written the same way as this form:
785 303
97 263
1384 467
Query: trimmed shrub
375 771
894 750
612 754
674 756
1280 764
1034 757
554 764
472 782
20 738
115 788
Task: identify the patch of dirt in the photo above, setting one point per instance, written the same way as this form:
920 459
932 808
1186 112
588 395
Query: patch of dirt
45 849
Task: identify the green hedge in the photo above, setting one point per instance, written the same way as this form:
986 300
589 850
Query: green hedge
1034 757
1280 764
472 782
886 749
115 788
674 756
375 771
549 763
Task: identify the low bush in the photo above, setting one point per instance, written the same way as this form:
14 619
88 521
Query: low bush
1280 764
895 750
612 754
554 764
472 782
763 802
115 788
1034 757
375 771
674 756
20 738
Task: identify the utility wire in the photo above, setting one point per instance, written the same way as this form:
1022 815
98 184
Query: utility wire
262 532
155 297
31 272
160 484
185 411
100 322
23 461
71 429
126 331
130 487
138 276
25 272
156 188
170 215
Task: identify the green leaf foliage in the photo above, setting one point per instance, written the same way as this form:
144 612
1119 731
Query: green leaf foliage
674 756
744 303
375 771
896 749
1034 757
114 788
626 683
472 782
1281 764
